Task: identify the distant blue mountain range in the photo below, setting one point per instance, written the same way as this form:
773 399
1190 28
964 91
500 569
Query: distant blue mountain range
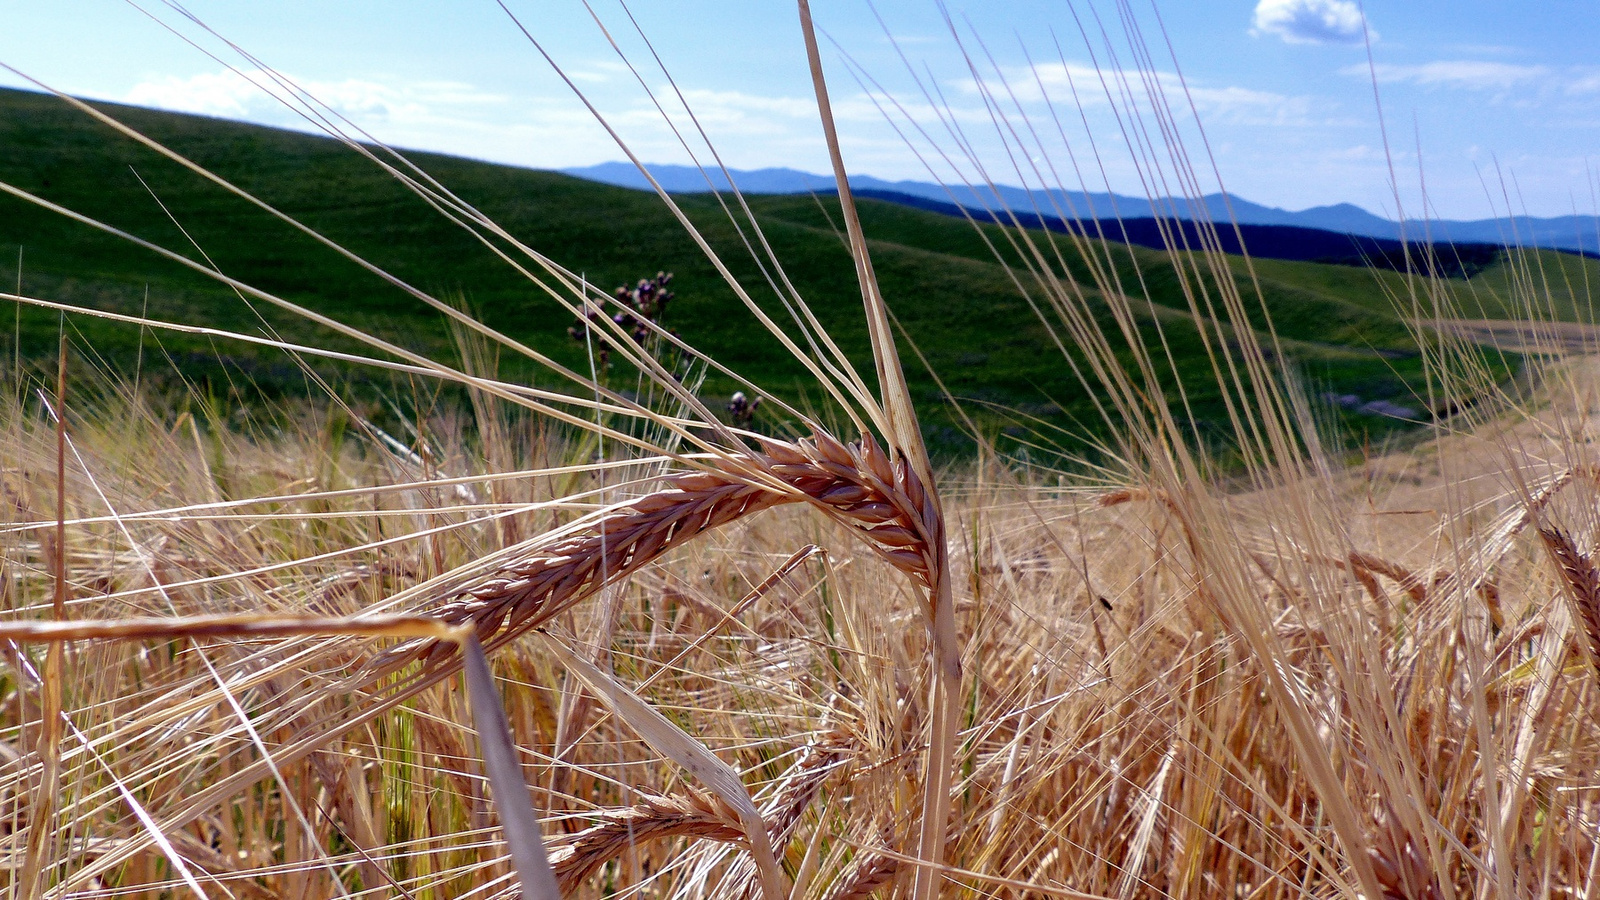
1579 233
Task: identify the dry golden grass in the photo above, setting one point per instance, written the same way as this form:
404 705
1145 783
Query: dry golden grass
1119 735
817 668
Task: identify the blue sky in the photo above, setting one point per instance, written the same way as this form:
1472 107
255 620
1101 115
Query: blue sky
1502 99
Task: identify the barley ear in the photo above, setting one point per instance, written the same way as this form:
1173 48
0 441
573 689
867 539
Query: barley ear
1399 862
1582 580
694 815
671 741
870 872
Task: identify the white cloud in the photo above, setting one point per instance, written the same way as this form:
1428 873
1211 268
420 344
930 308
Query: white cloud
599 71
1216 104
553 132
255 95
1584 82
1524 85
211 94
1312 21
1463 73
446 117
737 106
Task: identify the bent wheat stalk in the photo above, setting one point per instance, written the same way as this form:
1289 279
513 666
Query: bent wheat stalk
879 496
870 872
903 430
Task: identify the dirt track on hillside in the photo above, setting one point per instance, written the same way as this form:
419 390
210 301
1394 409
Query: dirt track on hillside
1525 337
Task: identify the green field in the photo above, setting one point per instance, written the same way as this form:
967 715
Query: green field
955 300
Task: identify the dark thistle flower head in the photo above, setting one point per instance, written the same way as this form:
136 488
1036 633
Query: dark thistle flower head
742 409
638 308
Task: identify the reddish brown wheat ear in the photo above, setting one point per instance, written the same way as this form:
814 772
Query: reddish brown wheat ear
880 497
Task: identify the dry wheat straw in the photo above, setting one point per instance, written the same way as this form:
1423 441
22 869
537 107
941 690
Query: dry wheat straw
1257 818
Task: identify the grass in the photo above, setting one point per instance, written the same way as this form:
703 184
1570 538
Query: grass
239 657
946 288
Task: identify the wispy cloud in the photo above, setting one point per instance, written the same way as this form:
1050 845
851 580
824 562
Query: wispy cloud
449 117
1312 21
599 71
460 118
1461 73
1586 81
1486 50
1524 85
1229 104
257 96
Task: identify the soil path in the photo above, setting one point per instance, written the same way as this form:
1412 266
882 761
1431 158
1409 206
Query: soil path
1565 338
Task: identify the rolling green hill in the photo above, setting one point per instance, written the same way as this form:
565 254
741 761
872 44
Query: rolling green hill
954 299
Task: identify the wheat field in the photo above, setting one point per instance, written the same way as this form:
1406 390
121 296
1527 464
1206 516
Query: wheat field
247 660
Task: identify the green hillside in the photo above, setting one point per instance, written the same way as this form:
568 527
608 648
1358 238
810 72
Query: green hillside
955 300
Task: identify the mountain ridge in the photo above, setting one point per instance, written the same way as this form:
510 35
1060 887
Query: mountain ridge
1578 233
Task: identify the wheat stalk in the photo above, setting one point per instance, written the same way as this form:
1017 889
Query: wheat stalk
800 789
